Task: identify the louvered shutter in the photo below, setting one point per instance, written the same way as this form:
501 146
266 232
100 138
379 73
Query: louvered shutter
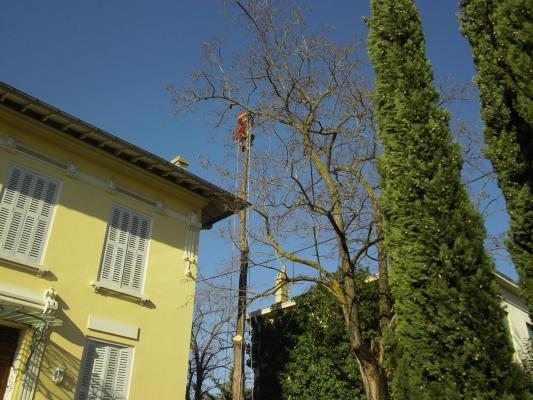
123 372
92 372
38 217
117 373
84 378
115 247
105 373
125 249
8 234
98 370
136 253
111 373
26 212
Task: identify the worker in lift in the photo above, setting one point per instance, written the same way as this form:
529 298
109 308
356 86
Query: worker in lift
245 120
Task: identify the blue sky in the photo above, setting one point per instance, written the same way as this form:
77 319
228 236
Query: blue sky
108 62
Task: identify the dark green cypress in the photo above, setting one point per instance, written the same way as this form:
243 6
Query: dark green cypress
501 35
448 340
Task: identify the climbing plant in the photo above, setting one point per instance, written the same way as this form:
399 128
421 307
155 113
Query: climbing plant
303 352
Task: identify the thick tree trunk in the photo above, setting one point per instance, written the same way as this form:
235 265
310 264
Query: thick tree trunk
374 379
369 357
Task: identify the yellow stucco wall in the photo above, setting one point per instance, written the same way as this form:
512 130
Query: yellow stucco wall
73 255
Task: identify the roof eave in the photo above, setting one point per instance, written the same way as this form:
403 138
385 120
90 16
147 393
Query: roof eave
221 203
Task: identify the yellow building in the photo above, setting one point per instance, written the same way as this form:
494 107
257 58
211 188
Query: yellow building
98 250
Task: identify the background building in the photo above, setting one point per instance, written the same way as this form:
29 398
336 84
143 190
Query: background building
300 349
517 313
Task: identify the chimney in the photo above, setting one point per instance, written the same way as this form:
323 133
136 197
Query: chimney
180 161
281 290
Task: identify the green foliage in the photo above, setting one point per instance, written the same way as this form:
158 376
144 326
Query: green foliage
501 35
448 340
304 351
526 359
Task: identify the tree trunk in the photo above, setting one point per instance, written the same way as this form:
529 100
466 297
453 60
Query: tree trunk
374 378
368 356
198 391
372 373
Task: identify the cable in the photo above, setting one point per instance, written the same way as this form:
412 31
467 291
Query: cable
256 264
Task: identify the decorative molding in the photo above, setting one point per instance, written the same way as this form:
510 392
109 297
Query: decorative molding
113 327
177 215
9 143
191 244
39 156
160 207
136 196
111 186
92 180
71 169
58 375
50 302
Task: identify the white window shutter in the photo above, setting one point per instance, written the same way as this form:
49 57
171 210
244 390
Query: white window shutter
125 249
37 220
136 253
105 372
124 366
31 186
98 372
18 210
115 247
44 217
111 372
92 372
7 204
26 213
84 378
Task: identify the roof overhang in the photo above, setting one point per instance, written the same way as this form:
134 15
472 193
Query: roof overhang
221 203
507 282
267 310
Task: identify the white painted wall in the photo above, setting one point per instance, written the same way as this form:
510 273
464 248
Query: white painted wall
517 314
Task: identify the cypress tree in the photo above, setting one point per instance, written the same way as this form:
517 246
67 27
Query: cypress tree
501 35
448 340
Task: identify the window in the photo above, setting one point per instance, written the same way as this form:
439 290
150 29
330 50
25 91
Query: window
104 372
125 250
26 208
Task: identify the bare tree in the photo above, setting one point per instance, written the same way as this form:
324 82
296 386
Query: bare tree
314 158
209 358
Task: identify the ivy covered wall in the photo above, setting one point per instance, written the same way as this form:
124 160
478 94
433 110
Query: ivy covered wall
302 352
